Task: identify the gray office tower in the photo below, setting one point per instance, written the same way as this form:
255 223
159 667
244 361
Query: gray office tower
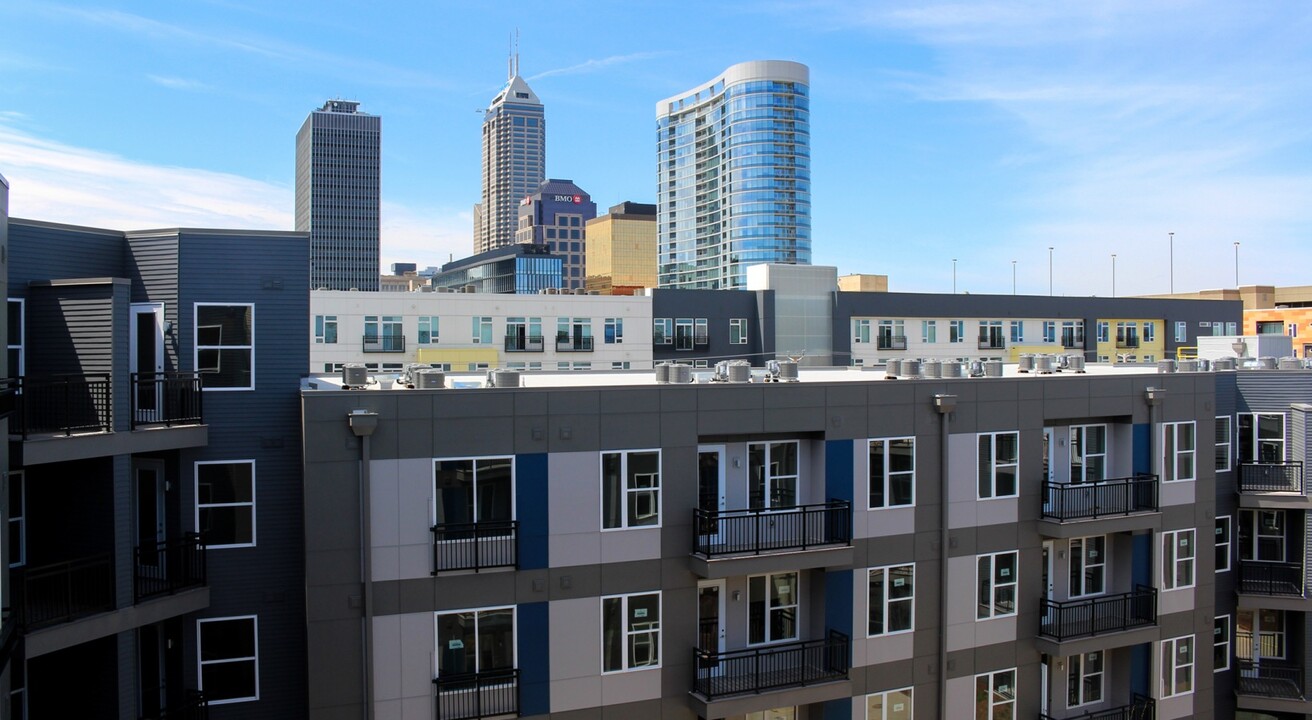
337 169
514 160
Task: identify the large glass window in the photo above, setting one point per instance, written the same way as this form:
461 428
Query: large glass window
1268 626
1262 437
1221 643
473 490
225 503
229 659
999 461
481 330
631 632
1177 559
1088 453
1222 543
1084 675
892 472
1049 331
16 334
956 331
614 330
662 331
890 705
1177 665
17 548
772 474
630 489
861 331
996 582
1088 566
225 346
738 331
928 331
475 641
1262 535
428 329
892 599
995 695
325 329
1178 451
1222 443
772 603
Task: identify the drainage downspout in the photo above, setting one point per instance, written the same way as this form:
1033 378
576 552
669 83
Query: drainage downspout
944 404
363 423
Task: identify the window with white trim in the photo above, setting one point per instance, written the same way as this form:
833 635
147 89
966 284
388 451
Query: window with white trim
861 331
225 503
995 695
1262 535
928 331
1177 559
480 330
1149 331
630 489
892 472
737 331
474 641
474 491
662 331
772 608
1017 331
325 329
772 475
630 632
999 462
890 705
1178 444
17 332
1088 566
229 659
1261 437
1181 331
1088 453
956 331
1177 665
1221 643
1223 458
996 581
1104 331
892 599
1049 331
613 332
1222 543
17 547
1084 679
429 327
225 345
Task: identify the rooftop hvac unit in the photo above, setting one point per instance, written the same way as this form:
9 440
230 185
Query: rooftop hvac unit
680 373
1186 366
787 371
739 371
976 368
594 292
429 379
1290 363
911 368
1025 363
1225 363
1204 364
552 291
425 288
1166 366
1042 364
662 373
580 291
893 368
932 368
951 369
503 378
354 375
993 368
407 377
468 288
1266 363
1075 363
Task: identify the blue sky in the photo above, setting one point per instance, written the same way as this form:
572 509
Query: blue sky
982 131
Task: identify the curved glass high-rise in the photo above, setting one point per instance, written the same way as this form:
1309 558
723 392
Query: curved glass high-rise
734 184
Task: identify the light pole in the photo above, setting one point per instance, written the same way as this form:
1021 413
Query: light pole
1013 277
1236 264
1049 271
1172 262
1113 274
954 276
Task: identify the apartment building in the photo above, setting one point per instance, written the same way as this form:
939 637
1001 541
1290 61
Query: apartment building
153 482
846 546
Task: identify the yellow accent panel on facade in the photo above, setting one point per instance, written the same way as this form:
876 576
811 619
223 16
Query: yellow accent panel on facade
458 357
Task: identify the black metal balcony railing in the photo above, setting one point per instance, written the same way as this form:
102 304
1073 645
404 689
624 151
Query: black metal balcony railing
1084 501
526 343
1141 707
1270 578
165 568
384 343
166 398
59 592
991 343
61 404
892 342
477 695
474 546
1269 680
1267 477
565 343
802 527
192 707
1064 620
771 667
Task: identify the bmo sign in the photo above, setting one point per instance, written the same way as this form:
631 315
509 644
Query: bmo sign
576 199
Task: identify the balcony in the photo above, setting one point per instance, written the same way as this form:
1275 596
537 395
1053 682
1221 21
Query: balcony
57 593
565 343
1141 707
764 675
1097 616
192 707
1127 343
477 695
991 342
383 344
1269 687
735 542
1271 484
61 404
1119 504
1280 579
475 546
892 342
169 567
1069 341
525 343
167 398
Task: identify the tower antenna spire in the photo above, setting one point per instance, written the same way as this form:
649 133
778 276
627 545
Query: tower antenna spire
516 51
510 58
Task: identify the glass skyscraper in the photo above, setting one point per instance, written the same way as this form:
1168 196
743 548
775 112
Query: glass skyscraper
514 160
734 175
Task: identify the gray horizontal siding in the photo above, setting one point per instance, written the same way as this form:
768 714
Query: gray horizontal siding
154 272
42 251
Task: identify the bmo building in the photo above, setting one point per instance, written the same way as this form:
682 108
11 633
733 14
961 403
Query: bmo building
556 216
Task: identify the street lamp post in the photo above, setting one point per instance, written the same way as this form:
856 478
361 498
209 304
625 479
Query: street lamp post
954 276
1013 277
1172 262
1113 274
1236 263
1049 271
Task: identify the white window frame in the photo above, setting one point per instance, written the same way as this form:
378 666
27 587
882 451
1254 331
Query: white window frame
196 347
1080 438
929 332
1181 331
1172 455
1149 332
1255 439
1222 632
767 481
1050 331
252 504
654 631
1224 539
18 518
886 697
477 324
626 522
994 466
1084 565
990 710
321 324
1017 331
861 331
1170 659
889 474
478 656
662 332
22 338
737 331
796 607
1173 561
1077 669
1250 523
1227 443
201 663
986 566
612 332
434 325
1104 331
956 331
887 602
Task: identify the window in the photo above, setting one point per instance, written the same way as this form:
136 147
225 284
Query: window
1181 331
1270 327
1017 331
630 632
225 503
630 489
772 475
995 695
1221 643
16 337
17 519
892 335
472 491
225 346
1177 559
1088 566
1149 331
1177 451
619 365
325 329
1084 679
481 330
996 580
1222 543
1088 453
428 330
998 464
892 596
229 654
1178 666
738 331
890 705
1072 333
861 331
1222 443
1270 632
956 331
662 331
892 472
1049 331
614 331
772 608
1262 535
928 334
683 333
1104 333
1261 437
475 641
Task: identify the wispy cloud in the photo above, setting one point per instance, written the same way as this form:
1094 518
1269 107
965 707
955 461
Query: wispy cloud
177 83
598 64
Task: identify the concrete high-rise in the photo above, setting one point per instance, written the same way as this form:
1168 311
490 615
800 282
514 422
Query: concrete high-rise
337 194
556 215
734 175
514 160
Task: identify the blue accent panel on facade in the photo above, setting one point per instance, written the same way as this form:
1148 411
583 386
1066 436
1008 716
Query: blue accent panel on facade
838 470
531 509
534 658
838 709
838 601
1143 462
1142 559
1141 669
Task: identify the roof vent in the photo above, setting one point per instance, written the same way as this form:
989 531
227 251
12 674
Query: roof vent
499 378
429 379
932 368
1042 364
951 368
911 368
1024 363
1166 366
354 376
893 368
1223 363
662 373
1266 363
680 373
993 368
1290 363
1075 363
1186 366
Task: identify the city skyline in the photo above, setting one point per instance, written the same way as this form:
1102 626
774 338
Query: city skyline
980 134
